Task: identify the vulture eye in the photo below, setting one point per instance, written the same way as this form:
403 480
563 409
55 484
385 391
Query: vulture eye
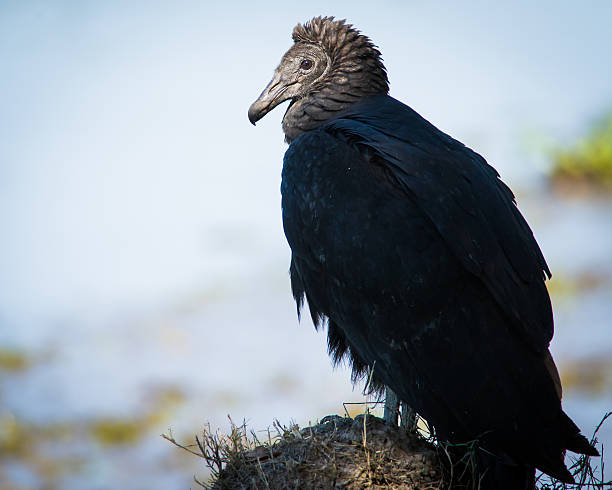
306 64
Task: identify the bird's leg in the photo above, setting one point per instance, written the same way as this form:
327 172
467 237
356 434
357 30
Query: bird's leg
391 407
408 418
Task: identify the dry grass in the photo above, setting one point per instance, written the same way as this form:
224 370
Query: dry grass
340 452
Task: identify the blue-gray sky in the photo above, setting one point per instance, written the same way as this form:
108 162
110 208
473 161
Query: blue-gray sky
127 164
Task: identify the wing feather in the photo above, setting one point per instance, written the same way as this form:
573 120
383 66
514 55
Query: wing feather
474 212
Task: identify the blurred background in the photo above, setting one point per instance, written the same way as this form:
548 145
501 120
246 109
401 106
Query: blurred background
144 283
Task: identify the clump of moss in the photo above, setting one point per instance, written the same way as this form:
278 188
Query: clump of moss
589 163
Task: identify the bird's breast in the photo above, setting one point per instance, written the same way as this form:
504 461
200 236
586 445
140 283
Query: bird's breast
348 221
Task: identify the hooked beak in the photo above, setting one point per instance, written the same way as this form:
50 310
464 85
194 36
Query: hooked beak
275 93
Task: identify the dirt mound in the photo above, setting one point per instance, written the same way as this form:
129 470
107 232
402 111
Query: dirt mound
337 453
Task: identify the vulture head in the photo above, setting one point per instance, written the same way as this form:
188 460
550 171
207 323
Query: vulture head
330 66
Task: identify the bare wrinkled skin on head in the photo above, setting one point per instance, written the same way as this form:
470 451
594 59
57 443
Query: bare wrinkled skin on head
330 66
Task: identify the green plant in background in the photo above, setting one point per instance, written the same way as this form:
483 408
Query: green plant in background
590 161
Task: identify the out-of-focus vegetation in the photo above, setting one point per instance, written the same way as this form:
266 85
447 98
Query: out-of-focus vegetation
43 453
592 376
562 286
118 431
27 446
587 165
13 360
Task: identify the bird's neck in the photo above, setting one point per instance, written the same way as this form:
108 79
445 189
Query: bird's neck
320 106
304 115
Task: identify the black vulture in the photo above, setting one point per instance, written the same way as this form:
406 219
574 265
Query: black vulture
412 251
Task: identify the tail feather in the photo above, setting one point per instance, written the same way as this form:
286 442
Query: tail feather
581 445
574 440
568 436
556 469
